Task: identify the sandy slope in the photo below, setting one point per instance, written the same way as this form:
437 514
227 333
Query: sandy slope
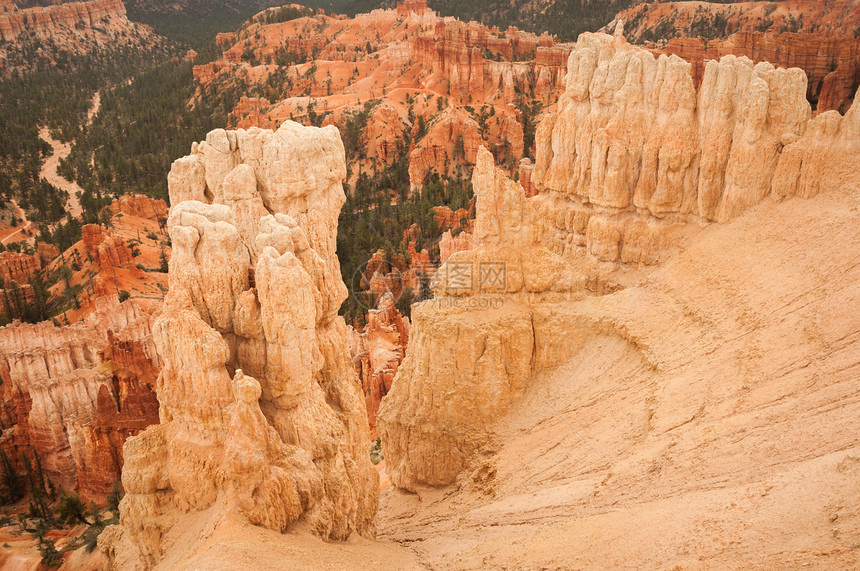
716 425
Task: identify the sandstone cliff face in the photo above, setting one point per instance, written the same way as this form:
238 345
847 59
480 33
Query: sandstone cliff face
140 205
430 72
109 251
632 153
74 27
454 56
377 352
634 149
261 411
75 393
49 20
832 64
18 268
471 347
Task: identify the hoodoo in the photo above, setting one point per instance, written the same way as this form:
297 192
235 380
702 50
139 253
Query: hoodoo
262 417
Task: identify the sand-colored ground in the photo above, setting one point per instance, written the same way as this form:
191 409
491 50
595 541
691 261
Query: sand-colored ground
715 428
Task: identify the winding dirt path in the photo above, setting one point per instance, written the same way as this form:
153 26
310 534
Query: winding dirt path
23 216
61 151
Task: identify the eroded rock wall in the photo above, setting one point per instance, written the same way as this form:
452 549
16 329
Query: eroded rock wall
634 149
632 153
261 411
75 393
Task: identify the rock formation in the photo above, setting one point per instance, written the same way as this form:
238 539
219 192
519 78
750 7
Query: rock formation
633 149
76 27
377 352
452 86
463 57
832 64
18 268
45 21
73 394
471 347
108 250
261 411
631 153
140 205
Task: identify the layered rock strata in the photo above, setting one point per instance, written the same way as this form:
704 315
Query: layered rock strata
634 149
832 64
632 152
261 411
73 394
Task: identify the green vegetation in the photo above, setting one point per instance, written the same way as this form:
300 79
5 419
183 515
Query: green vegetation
378 212
47 513
141 129
59 97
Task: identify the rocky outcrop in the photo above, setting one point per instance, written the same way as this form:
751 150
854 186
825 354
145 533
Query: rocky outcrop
450 244
661 20
473 62
631 152
42 35
46 252
377 352
18 268
634 149
45 21
140 205
108 250
262 414
453 86
407 7
831 63
471 346
453 139
74 394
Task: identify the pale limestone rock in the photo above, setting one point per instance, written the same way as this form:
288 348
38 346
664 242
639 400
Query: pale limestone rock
630 152
471 347
829 150
631 143
254 288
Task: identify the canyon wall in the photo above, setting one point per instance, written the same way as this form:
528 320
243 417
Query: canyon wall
73 394
39 35
832 64
473 62
49 20
473 346
632 153
633 149
262 415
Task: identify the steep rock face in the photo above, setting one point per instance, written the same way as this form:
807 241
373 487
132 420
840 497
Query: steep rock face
831 63
50 19
261 411
46 252
633 149
471 347
108 250
75 393
18 268
377 352
456 55
39 36
140 205
450 244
